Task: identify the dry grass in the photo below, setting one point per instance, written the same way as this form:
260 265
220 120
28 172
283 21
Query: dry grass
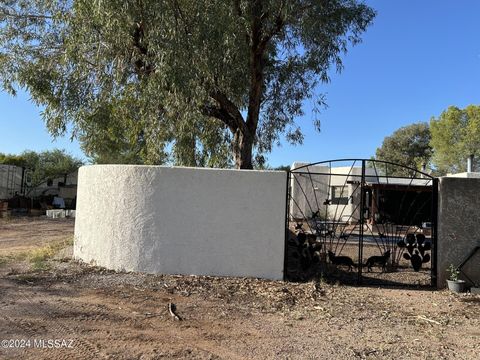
37 257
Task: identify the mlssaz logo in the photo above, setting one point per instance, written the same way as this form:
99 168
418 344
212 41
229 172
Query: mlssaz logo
53 343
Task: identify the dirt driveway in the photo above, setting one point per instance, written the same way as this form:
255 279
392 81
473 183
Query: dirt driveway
95 313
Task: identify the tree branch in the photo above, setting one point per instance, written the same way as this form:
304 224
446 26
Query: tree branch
24 16
257 60
220 114
237 8
230 108
279 22
256 65
142 67
182 17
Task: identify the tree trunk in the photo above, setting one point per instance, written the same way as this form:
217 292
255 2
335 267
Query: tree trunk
242 150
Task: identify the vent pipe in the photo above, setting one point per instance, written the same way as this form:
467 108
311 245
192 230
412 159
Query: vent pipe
469 163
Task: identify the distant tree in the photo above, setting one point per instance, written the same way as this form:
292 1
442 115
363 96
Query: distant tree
455 136
10 159
407 146
209 82
44 165
283 167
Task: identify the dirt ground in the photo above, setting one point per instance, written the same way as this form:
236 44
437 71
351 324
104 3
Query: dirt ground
96 313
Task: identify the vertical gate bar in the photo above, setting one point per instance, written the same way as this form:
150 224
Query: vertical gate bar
434 231
287 223
22 185
362 220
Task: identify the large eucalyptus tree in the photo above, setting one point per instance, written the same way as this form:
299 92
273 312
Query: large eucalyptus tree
209 81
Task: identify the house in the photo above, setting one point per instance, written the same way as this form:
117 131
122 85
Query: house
64 186
334 194
16 187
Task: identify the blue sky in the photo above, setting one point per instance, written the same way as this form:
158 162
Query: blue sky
418 58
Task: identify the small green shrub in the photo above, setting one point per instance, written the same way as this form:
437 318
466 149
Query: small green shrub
38 257
453 272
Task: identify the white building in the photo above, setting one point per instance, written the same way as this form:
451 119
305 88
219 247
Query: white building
63 186
12 181
15 180
334 193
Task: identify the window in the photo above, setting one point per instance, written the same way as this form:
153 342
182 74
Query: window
339 195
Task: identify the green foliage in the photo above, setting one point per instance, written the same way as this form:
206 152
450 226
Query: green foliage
455 136
407 146
453 272
39 257
110 139
283 168
10 159
194 82
44 165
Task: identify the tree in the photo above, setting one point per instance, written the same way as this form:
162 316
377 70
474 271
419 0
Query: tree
193 78
43 165
456 136
407 146
283 168
10 159
106 141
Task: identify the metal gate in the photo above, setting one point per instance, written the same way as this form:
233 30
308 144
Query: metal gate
360 220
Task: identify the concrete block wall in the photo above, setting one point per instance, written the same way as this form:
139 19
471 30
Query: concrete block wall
181 220
458 226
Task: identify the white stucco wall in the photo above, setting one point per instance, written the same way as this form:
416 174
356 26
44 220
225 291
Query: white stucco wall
181 220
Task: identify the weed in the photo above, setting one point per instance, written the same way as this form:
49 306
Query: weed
69 241
39 257
454 272
13 257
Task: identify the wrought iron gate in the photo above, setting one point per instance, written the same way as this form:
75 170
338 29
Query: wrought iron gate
361 220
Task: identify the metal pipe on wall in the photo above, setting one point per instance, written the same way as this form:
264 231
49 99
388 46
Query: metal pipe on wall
469 163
